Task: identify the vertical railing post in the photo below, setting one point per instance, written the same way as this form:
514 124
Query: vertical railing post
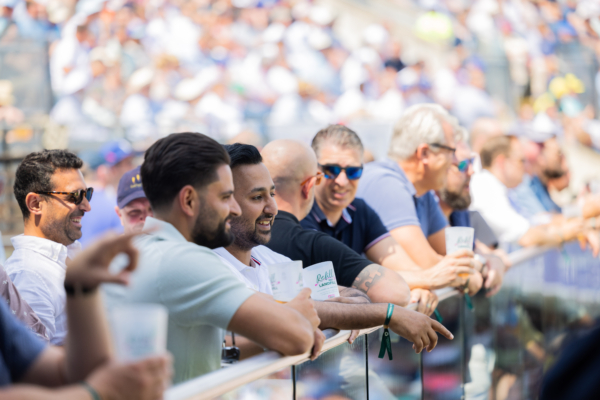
463 344
293 382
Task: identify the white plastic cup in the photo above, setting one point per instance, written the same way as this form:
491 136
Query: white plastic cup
139 331
459 238
286 280
320 278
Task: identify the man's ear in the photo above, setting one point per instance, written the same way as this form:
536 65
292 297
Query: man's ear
35 203
306 188
118 211
187 199
423 153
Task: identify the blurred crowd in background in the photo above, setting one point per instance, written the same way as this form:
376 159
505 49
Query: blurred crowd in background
230 68
249 70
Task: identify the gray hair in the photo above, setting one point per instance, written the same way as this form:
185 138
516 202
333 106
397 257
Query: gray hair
422 123
338 135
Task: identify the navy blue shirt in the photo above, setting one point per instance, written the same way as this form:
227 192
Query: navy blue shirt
474 220
312 247
541 192
359 228
19 347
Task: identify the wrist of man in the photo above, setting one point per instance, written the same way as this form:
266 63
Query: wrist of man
77 289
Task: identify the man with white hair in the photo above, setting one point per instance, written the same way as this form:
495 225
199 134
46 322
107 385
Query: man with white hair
400 188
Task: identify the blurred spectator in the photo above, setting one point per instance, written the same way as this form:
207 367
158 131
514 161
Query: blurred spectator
29 369
503 164
454 200
132 206
53 198
116 159
19 307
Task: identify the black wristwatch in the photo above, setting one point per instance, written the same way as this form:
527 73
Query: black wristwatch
78 289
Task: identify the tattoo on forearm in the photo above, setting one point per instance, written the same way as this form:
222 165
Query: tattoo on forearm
368 277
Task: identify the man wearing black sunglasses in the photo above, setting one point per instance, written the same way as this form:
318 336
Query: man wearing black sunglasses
53 199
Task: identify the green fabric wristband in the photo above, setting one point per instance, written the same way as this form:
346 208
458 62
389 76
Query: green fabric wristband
91 390
386 343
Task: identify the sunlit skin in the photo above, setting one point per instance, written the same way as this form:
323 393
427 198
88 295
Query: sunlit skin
217 207
53 216
254 192
427 169
134 214
334 195
514 165
458 182
440 162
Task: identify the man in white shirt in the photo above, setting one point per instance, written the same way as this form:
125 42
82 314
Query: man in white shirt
248 257
53 198
503 163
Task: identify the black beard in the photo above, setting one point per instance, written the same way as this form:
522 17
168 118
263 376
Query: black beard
218 238
553 173
455 201
245 237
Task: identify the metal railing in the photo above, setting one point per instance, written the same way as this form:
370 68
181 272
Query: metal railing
226 380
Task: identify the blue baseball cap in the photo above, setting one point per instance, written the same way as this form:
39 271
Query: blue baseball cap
115 151
130 188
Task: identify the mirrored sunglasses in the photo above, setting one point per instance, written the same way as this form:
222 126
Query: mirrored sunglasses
333 170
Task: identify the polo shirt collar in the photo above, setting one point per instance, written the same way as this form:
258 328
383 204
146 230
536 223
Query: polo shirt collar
163 230
394 166
319 216
47 248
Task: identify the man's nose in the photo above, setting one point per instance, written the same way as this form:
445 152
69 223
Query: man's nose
85 205
234 208
271 207
342 179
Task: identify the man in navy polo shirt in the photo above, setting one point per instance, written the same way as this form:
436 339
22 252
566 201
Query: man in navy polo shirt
338 213
400 188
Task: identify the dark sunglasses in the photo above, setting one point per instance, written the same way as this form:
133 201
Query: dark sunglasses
443 146
332 171
463 166
75 197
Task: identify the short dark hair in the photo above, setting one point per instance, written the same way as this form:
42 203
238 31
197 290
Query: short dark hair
339 135
34 174
242 154
495 146
178 160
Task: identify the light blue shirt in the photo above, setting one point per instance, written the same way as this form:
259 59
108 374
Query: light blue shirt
385 187
199 291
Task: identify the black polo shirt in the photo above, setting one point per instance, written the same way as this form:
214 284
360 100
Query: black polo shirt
359 228
312 247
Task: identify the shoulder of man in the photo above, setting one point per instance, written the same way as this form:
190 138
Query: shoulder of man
266 256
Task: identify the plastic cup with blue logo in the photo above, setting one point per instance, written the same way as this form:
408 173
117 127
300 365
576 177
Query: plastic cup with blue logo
321 280
459 238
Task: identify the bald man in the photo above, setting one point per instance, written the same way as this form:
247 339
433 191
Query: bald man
294 170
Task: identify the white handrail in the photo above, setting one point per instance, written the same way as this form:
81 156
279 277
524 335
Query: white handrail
219 382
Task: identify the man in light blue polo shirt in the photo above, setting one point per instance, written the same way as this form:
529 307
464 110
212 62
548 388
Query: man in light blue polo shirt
400 188
188 181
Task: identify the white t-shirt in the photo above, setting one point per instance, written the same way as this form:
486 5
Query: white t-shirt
490 198
256 276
